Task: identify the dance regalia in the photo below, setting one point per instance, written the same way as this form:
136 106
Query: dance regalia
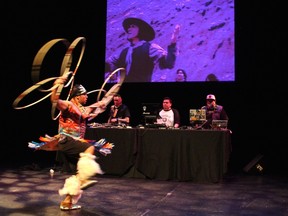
74 126
49 143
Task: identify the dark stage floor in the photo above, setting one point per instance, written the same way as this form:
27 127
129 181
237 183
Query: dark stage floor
34 192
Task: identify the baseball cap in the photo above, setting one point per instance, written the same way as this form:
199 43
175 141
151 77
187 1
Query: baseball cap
210 97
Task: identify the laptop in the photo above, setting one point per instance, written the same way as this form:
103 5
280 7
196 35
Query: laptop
197 118
197 115
219 124
150 112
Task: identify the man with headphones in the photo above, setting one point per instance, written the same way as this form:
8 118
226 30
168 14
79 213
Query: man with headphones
119 112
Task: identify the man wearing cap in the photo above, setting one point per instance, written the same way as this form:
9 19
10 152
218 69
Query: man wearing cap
140 57
213 111
72 126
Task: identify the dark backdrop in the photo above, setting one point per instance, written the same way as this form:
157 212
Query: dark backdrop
253 102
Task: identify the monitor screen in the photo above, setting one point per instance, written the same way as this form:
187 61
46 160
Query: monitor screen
170 41
197 115
149 112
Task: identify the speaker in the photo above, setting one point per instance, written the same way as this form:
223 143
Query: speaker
256 166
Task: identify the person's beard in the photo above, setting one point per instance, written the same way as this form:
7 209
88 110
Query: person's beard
211 106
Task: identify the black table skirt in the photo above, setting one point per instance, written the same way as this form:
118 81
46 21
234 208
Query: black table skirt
165 154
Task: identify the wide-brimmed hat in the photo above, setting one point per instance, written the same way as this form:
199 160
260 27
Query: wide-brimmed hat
146 31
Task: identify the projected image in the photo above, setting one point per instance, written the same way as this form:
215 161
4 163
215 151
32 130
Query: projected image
162 41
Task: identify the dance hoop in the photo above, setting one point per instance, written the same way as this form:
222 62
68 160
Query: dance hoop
65 69
38 59
29 90
65 72
97 110
112 91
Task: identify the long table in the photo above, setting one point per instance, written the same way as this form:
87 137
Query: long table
165 154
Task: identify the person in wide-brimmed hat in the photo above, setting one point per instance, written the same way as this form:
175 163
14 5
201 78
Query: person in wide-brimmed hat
140 57
146 32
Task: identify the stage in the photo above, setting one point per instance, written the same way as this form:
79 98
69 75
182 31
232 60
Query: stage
35 192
